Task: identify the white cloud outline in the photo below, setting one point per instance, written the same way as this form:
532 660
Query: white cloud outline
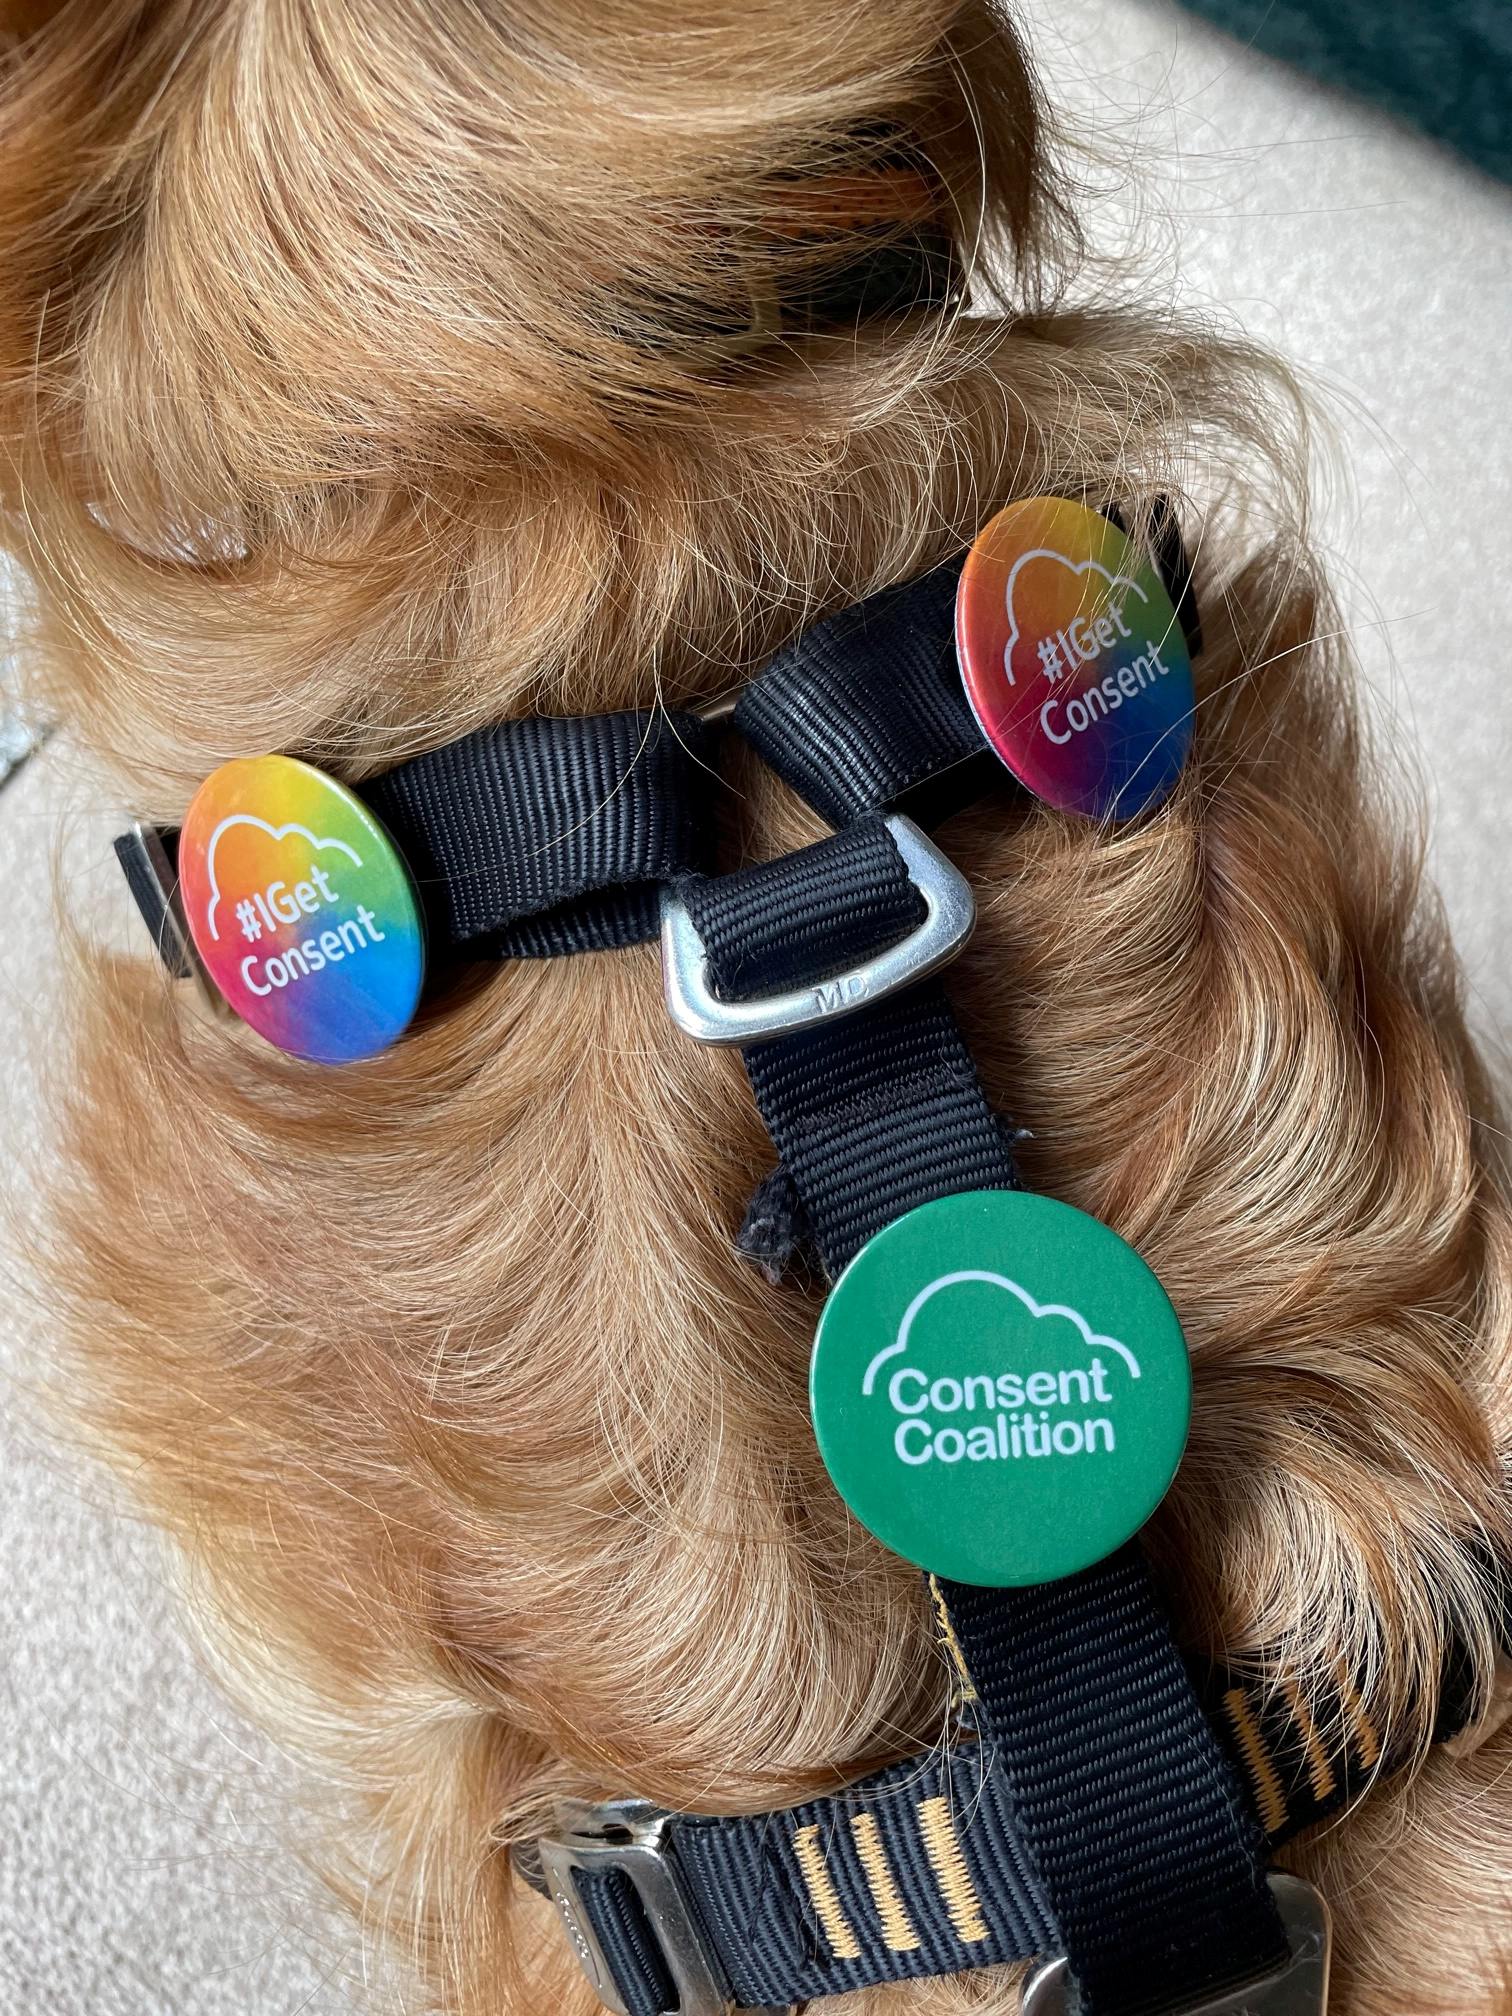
275 833
1076 567
1038 1310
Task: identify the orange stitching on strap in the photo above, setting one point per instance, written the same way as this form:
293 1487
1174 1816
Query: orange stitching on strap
1267 1786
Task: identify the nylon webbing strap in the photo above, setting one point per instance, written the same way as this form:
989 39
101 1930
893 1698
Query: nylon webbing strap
867 708
1149 1859
543 837
917 1870
804 915
832 1894
1299 1762
879 1113
821 1897
879 1110
627 1940
867 704
1124 1803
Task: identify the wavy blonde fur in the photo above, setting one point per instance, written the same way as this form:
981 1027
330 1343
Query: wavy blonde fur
357 387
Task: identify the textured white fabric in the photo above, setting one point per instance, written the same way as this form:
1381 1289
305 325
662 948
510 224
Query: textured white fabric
143 1870
1381 267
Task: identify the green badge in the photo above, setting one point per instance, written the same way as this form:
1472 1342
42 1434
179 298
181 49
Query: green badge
1000 1388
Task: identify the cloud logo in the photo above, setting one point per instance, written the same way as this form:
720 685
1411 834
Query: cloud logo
1093 1339
301 909
983 1427
1073 659
274 833
1046 619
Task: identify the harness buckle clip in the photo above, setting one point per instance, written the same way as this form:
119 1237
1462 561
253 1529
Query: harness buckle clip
949 915
1299 1987
629 1837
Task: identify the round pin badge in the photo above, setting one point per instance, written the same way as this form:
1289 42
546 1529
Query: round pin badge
1074 660
301 909
1000 1388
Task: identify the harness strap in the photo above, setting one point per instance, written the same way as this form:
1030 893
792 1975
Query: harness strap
916 1870
1151 1863
876 1111
868 703
627 1940
1123 1801
876 1114
545 836
805 915
961 1858
867 708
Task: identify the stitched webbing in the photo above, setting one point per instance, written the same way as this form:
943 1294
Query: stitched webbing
876 1114
754 1878
796 1903
916 1870
1124 1801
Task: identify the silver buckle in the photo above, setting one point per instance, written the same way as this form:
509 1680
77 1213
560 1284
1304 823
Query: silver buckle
949 914
1298 1988
154 885
629 1834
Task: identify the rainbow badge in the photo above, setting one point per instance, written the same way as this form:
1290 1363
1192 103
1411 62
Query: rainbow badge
1073 659
301 909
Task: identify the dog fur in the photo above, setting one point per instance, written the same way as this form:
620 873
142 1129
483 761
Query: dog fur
364 378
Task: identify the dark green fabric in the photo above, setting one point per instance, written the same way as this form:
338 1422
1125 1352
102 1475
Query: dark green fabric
1442 65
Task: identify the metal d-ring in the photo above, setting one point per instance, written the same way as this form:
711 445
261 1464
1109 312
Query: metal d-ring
949 915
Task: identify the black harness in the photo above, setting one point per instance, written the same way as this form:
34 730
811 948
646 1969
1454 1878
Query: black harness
1096 1805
